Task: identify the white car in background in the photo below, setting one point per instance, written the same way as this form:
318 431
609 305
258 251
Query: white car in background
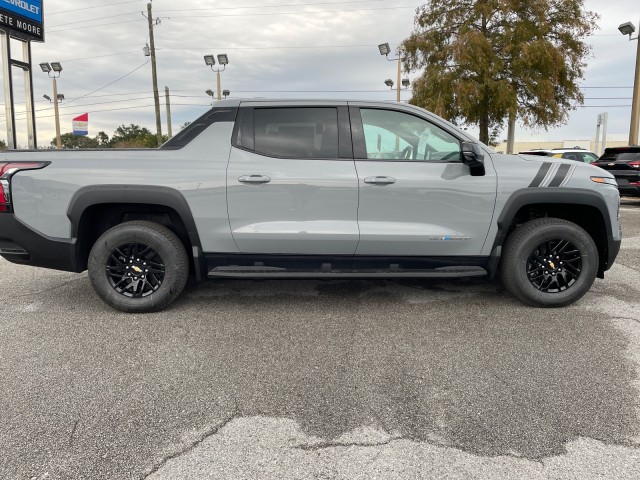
576 153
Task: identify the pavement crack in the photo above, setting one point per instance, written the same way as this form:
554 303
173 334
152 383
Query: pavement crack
192 445
73 431
338 444
626 318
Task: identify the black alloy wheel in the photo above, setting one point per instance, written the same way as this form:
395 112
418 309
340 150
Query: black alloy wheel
549 262
138 266
135 270
554 266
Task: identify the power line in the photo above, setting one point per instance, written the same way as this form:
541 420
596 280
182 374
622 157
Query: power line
94 19
282 47
100 56
98 25
272 6
92 7
243 15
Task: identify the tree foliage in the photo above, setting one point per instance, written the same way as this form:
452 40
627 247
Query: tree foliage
485 59
131 136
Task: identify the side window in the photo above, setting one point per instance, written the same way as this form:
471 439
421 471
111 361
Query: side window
589 157
296 132
393 135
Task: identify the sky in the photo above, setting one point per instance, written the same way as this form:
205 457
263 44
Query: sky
276 48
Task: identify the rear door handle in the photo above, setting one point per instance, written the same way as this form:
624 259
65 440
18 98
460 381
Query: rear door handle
380 180
254 179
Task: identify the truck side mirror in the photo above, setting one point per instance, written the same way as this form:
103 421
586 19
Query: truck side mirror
472 157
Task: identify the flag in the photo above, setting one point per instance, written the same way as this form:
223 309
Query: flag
81 125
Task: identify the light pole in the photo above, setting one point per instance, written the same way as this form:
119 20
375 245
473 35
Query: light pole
628 29
385 50
53 70
223 59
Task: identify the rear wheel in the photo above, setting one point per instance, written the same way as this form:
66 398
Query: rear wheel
549 262
138 266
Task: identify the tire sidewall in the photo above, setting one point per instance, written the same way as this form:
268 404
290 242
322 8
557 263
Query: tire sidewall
174 278
589 255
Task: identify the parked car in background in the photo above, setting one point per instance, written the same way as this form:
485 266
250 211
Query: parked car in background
624 164
577 154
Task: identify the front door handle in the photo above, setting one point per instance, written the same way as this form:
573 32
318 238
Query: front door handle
254 179
380 180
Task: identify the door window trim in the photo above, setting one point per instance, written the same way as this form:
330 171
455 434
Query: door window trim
243 136
359 143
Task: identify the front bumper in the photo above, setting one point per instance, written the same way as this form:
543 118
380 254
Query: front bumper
20 244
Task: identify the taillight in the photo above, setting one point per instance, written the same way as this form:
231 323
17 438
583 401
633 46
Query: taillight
595 164
634 164
7 170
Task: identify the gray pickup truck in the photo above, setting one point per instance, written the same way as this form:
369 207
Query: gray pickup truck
307 189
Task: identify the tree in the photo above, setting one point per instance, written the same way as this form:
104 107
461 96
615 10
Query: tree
71 141
3 145
134 136
486 60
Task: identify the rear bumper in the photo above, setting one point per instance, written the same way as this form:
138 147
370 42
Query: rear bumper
20 244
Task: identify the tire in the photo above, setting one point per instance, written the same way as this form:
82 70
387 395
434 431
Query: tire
159 265
529 263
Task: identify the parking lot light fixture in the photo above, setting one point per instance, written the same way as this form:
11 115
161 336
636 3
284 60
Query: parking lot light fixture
388 82
385 50
210 61
628 29
226 93
46 97
406 82
53 70
60 97
209 92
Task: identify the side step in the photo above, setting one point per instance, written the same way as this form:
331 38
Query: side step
275 272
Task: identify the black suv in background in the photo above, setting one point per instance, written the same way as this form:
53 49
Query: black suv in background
624 164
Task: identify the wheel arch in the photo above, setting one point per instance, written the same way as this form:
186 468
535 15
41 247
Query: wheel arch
96 208
585 208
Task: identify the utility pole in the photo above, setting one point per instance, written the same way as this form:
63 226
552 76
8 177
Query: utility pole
399 75
605 119
596 148
55 109
154 74
635 104
511 130
166 97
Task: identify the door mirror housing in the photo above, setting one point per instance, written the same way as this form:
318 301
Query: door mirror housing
473 157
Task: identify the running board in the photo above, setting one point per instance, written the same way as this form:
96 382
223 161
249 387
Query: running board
275 272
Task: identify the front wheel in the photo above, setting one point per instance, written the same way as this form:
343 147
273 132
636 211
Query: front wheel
138 266
549 262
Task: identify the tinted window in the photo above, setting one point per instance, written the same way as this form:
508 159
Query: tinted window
393 135
538 153
612 156
296 132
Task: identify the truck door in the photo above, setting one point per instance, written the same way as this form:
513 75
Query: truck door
292 186
417 198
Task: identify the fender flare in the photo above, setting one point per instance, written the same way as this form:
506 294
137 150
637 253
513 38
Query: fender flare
141 194
540 196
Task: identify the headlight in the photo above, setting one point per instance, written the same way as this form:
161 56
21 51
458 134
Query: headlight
605 180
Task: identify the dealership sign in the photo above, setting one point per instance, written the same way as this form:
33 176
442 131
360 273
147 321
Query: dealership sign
23 17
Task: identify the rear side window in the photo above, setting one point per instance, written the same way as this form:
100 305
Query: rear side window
296 132
612 156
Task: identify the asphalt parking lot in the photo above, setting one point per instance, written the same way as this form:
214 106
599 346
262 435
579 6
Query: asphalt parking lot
321 379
